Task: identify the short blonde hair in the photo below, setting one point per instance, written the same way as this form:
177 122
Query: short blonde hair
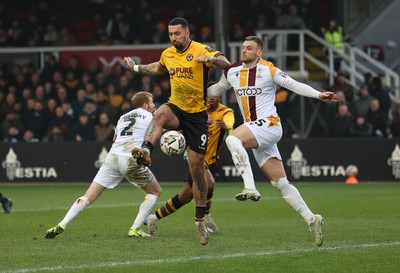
141 98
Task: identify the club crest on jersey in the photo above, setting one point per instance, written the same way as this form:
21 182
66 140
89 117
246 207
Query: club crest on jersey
237 74
189 57
259 76
283 74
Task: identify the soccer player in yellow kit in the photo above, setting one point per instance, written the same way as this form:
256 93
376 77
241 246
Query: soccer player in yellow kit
221 119
188 63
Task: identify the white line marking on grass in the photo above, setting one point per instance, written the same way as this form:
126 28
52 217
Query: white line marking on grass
188 259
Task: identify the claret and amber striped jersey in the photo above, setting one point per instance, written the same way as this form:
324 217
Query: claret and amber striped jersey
216 134
255 88
188 78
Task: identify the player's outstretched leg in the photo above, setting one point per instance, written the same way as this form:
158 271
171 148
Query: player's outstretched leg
53 232
316 228
293 198
248 194
242 163
202 232
133 232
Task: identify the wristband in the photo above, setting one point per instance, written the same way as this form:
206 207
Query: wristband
136 68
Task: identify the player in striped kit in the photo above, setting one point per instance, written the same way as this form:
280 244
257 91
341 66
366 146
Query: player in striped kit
254 81
120 164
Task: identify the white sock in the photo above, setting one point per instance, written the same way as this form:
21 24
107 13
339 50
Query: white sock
80 204
241 160
145 209
293 198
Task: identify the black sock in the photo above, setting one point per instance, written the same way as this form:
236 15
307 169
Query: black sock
200 211
172 205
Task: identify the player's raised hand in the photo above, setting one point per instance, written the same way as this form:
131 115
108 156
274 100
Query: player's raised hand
328 96
129 63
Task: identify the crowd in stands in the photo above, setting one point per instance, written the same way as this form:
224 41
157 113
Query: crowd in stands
59 103
103 22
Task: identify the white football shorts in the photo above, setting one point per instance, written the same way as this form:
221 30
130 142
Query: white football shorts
267 136
116 167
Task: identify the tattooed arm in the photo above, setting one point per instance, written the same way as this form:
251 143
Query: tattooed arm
154 69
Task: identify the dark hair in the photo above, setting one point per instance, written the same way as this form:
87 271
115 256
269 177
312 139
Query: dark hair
179 21
256 39
140 98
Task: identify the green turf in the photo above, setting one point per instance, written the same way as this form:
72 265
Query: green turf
362 232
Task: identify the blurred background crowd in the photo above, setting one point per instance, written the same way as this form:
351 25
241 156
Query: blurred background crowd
67 102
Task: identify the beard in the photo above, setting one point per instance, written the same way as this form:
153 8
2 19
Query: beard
178 46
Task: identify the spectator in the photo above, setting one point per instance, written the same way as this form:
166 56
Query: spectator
61 121
91 91
78 103
30 137
50 36
382 94
340 125
90 108
40 94
114 96
74 66
363 101
292 19
71 83
100 83
82 130
331 109
377 118
13 135
341 84
104 129
51 66
37 121
333 34
54 135
62 95
361 128
308 11
8 105
103 105
51 107
35 80
12 120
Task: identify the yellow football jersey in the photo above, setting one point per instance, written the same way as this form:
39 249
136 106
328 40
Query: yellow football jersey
216 134
188 78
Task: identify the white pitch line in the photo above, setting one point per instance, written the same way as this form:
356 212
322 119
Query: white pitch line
194 258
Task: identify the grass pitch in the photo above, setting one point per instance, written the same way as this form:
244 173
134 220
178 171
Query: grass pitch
362 231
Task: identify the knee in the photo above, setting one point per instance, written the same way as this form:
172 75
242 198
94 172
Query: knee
280 183
231 141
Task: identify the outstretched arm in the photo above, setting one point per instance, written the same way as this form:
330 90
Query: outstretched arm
154 69
286 81
328 96
220 87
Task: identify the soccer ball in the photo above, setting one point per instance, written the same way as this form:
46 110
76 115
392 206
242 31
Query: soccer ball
172 143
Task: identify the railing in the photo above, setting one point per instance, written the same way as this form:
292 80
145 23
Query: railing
355 61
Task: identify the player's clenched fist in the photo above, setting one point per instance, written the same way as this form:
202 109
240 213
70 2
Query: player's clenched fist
130 63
